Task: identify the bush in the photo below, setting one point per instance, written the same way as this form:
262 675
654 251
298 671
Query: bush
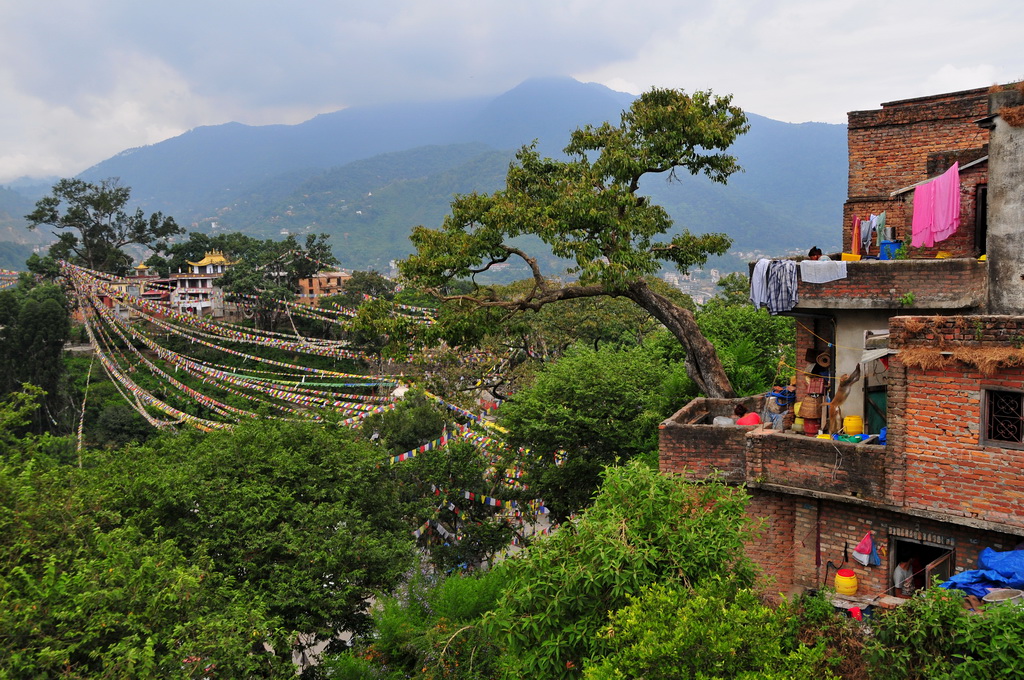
717 630
934 636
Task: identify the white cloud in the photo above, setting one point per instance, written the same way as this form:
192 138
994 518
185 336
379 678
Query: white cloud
84 79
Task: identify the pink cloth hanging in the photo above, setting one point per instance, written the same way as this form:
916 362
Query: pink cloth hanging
936 209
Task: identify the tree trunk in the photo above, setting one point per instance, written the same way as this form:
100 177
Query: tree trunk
702 363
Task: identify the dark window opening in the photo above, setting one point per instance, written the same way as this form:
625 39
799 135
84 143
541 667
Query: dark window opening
981 218
1004 421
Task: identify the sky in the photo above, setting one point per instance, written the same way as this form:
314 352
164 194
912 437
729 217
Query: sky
81 81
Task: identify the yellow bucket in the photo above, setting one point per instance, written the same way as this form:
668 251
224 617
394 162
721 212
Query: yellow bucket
849 257
846 582
853 425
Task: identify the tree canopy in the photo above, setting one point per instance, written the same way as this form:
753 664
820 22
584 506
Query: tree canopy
97 223
587 210
303 512
267 270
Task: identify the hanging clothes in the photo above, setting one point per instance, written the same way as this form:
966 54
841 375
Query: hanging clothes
782 286
936 209
855 236
868 226
822 271
759 283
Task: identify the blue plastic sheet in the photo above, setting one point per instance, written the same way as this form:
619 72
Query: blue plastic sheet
995 570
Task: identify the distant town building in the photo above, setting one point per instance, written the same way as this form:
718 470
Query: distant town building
195 291
322 284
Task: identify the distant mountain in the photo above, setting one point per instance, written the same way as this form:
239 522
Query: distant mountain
366 176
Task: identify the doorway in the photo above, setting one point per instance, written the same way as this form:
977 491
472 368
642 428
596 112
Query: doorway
927 560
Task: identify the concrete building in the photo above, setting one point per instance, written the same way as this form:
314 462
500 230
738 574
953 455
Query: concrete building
195 291
938 343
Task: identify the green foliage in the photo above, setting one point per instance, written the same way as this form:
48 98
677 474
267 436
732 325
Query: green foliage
267 271
718 629
598 406
934 636
83 597
366 283
643 528
414 421
587 211
33 329
735 289
430 630
302 512
434 480
751 343
98 223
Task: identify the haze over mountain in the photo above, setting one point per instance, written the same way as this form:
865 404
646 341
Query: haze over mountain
366 176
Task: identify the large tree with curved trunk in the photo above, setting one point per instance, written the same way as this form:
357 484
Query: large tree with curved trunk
587 209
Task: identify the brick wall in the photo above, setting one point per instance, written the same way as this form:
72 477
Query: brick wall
687 442
800 536
820 465
906 142
773 548
957 284
947 467
744 455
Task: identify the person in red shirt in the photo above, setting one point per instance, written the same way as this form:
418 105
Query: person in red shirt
745 417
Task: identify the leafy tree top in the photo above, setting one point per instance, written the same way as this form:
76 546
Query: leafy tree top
586 209
99 215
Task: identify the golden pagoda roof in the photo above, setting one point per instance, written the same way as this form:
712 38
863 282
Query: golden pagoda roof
212 257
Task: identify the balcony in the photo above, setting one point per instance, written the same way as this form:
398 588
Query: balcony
950 284
689 443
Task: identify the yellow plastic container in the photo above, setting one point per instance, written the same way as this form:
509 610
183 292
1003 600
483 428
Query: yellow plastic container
853 425
943 254
849 257
846 582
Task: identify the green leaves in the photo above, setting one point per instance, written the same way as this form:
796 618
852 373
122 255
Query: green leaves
302 512
587 212
82 596
933 635
99 223
598 406
642 528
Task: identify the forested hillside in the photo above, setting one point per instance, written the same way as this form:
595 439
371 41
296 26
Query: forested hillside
367 176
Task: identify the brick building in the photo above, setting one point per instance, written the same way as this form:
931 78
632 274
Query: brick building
939 344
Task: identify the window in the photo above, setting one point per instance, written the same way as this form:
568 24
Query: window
1004 417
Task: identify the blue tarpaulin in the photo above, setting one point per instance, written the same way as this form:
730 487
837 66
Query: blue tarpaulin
995 570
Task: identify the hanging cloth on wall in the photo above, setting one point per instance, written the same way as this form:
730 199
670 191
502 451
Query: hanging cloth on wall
936 209
759 283
782 286
822 271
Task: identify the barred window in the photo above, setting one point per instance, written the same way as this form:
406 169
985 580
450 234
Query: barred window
1005 416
